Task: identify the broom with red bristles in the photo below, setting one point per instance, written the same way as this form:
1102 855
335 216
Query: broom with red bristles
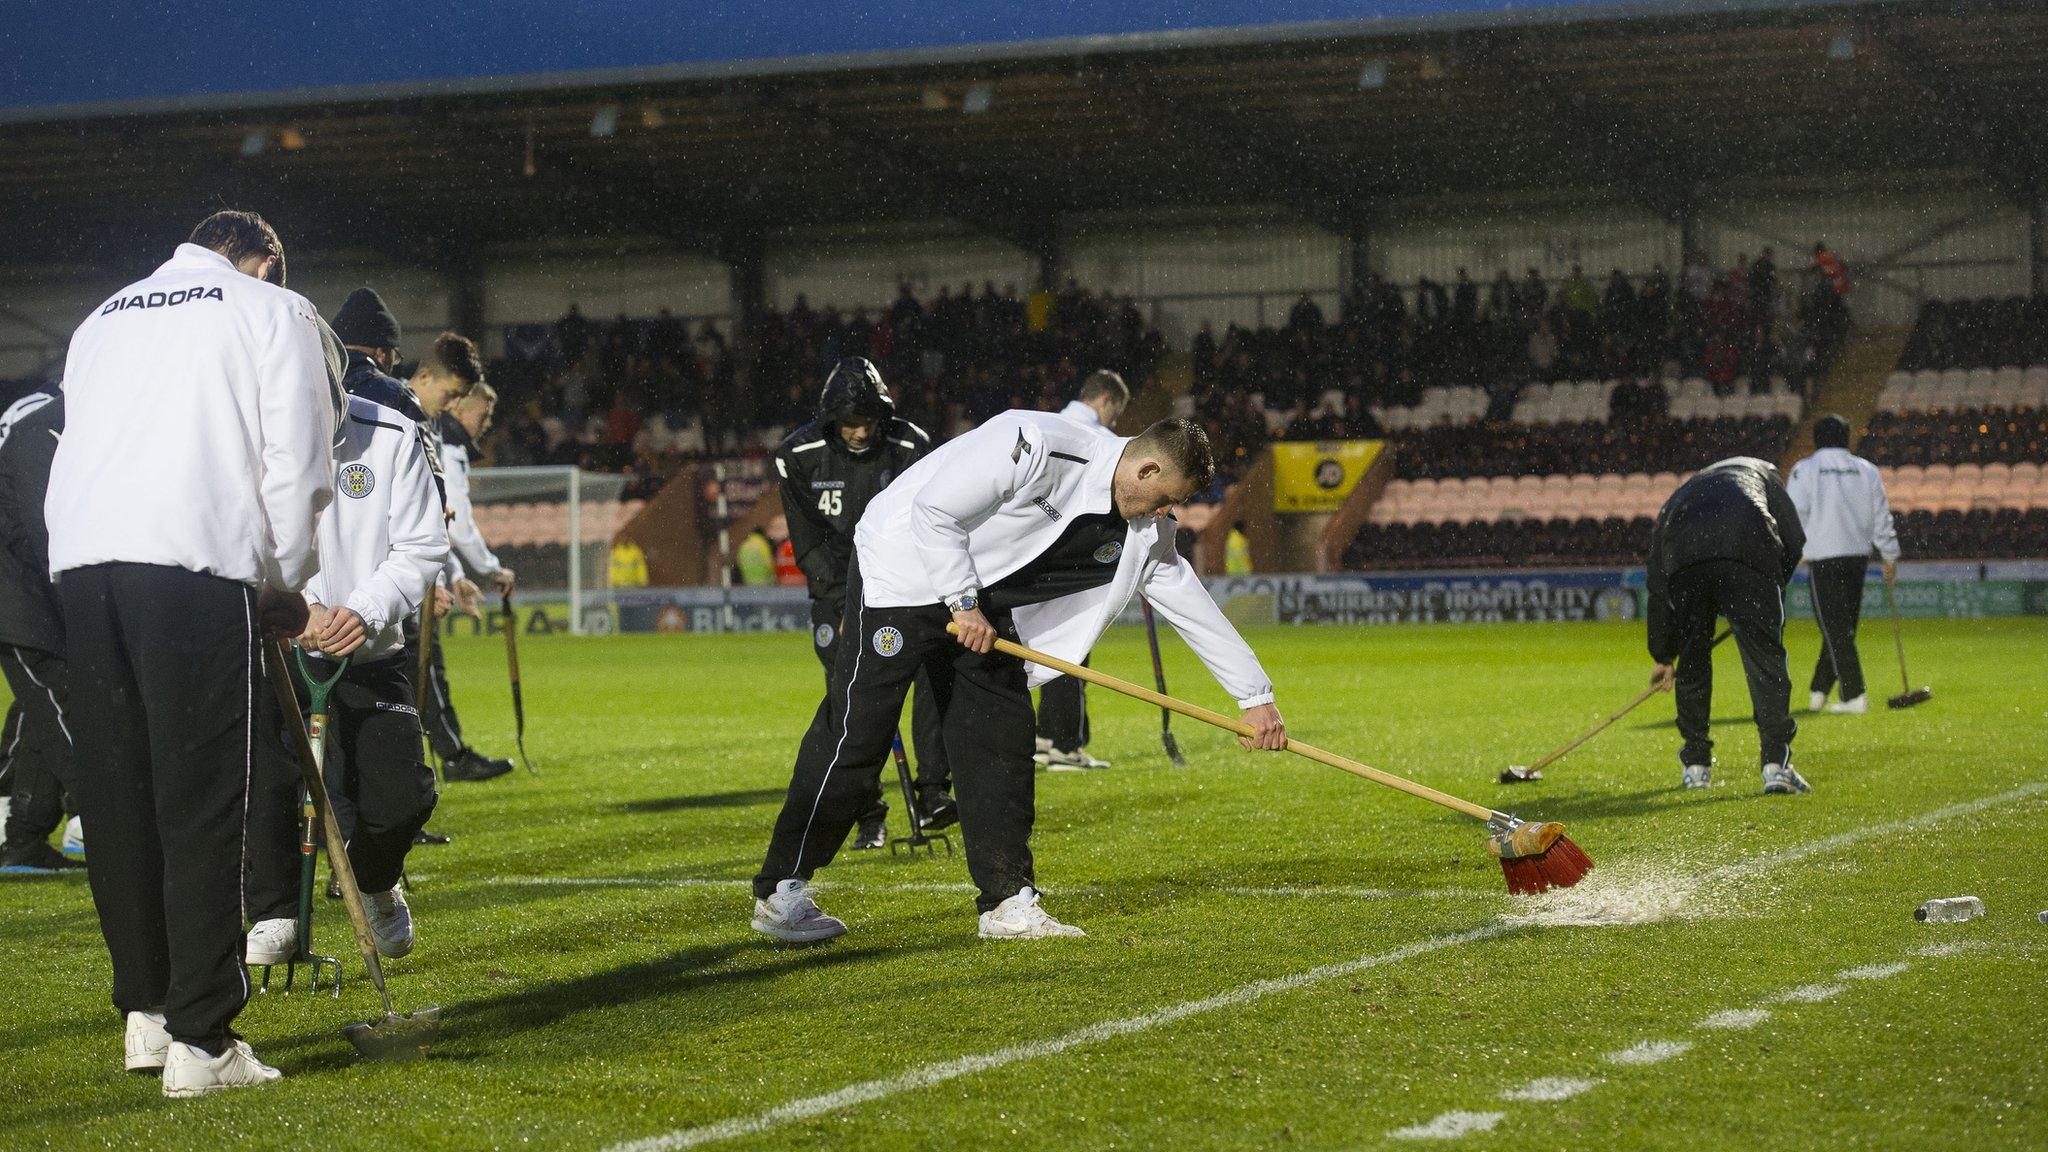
1534 857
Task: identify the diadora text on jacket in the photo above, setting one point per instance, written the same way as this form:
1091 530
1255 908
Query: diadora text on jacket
199 428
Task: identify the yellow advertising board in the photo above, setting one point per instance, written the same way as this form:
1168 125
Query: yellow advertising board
1316 477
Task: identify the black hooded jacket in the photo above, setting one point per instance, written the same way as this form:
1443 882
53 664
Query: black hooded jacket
29 613
1735 510
825 488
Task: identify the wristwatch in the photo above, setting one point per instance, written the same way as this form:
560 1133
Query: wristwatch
964 602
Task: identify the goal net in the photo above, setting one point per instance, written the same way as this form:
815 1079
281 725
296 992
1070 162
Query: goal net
554 526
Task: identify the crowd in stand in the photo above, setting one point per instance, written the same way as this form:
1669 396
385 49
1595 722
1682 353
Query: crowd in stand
613 395
1742 326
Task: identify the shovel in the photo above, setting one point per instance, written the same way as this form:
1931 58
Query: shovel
395 1037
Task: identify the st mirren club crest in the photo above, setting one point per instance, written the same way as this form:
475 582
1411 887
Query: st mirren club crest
1108 553
823 635
888 641
357 480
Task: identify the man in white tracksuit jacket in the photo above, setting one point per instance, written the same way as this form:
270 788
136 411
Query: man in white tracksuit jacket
381 545
1844 512
469 557
1031 527
184 499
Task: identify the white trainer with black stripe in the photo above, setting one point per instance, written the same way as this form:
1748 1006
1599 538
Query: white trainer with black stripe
146 1041
1020 918
1076 761
790 915
1783 780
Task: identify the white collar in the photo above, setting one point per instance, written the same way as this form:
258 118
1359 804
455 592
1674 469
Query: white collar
1082 414
196 256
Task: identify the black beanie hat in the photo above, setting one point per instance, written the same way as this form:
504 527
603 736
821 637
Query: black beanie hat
1831 431
365 321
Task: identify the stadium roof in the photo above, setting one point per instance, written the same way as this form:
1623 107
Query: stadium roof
1331 118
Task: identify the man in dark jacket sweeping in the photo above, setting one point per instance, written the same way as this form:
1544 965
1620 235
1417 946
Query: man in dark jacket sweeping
1726 544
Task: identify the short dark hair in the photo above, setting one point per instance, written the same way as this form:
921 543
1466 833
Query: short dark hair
1831 431
1104 383
1183 444
239 235
455 355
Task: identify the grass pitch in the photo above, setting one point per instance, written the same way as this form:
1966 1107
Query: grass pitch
1278 954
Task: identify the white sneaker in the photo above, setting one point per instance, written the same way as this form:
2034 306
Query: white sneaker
1040 744
191 1072
146 1041
789 914
1815 701
272 941
1076 761
1020 918
74 838
1782 779
1856 707
390 923
1697 776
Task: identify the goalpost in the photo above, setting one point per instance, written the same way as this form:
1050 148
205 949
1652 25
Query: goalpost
554 525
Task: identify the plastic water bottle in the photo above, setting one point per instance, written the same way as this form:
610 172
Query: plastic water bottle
1949 909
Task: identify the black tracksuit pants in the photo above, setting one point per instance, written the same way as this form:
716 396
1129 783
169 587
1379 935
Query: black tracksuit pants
381 790
39 747
1063 712
1837 584
985 716
164 662
1754 606
933 770
444 728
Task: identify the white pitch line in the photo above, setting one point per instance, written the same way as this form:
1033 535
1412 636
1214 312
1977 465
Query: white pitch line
1844 839
1809 994
1450 1126
938 1073
931 1074
1874 971
1550 1088
1648 1052
1737 1018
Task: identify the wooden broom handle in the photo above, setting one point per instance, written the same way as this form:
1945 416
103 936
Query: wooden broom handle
1625 709
1239 727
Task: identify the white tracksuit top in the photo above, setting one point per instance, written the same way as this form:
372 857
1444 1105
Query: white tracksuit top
1842 506
976 510
198 428
467 550
383 541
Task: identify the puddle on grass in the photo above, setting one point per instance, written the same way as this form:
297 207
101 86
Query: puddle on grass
1614 895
